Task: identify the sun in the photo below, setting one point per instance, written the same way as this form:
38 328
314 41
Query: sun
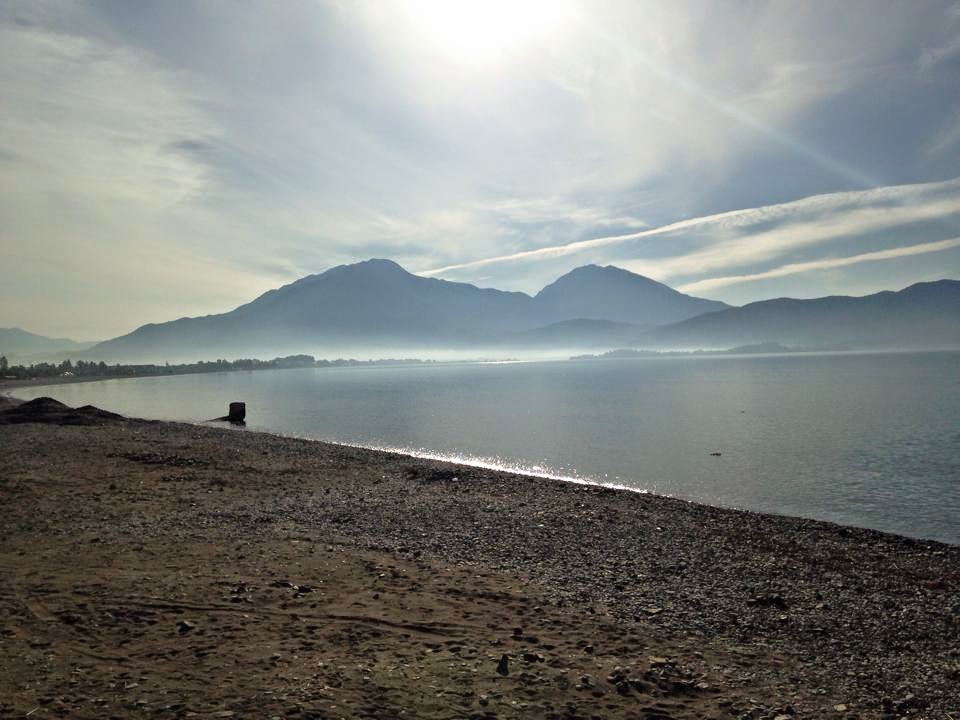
484 30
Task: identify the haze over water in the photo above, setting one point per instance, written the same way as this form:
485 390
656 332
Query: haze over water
867 440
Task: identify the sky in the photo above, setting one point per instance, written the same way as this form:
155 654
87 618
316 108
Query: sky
169 159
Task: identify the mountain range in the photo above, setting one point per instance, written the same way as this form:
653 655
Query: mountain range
18 345
924 315
376 304
377 307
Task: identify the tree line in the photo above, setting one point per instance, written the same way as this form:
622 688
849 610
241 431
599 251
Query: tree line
90 368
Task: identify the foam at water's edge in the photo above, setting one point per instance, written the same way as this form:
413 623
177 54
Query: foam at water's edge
479 462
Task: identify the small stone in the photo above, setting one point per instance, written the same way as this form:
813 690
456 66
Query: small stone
503 667
185 626
840 708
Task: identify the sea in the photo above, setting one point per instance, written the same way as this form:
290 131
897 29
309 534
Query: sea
870 440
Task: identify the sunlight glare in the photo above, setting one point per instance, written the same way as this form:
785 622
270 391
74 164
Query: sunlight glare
484 30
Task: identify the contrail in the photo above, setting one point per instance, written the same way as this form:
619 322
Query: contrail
891 193
826 264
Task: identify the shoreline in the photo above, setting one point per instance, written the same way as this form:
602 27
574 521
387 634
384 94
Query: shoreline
16 383
771 613
480 463
26 383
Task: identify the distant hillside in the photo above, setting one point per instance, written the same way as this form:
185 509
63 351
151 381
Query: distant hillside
377 304
611 293
370 304
925 315
578 333
17 344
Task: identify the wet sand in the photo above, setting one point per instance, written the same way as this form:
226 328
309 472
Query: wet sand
168 570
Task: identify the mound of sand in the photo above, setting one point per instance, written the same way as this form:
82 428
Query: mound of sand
52 412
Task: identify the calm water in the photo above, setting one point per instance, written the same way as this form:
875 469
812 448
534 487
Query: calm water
869 440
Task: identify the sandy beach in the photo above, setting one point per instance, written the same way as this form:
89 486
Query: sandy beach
169 570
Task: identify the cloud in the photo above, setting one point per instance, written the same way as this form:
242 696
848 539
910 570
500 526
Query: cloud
825 264
188 156
948 46
742 237
95 183
834 224
946 139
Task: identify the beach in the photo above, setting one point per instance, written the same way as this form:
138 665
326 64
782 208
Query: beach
171 570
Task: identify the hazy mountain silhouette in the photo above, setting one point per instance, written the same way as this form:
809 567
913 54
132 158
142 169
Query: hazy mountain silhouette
611 293
922 315
17 344
377 304
580 333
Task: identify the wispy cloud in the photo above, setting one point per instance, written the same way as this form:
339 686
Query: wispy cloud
743 237
186 156
825 264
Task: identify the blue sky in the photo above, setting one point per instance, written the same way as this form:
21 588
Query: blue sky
177 158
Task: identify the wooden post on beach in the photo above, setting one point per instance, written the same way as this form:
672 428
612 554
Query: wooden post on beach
238 411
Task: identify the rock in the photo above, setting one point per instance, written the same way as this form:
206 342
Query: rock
185 626
840 708
503 667
771 600
237 412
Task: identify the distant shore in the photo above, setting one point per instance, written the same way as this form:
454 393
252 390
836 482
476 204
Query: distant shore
12 383
84 371
240 572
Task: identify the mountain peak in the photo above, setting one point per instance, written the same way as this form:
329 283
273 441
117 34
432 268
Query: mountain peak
379 263
373 266
603 273
612 293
